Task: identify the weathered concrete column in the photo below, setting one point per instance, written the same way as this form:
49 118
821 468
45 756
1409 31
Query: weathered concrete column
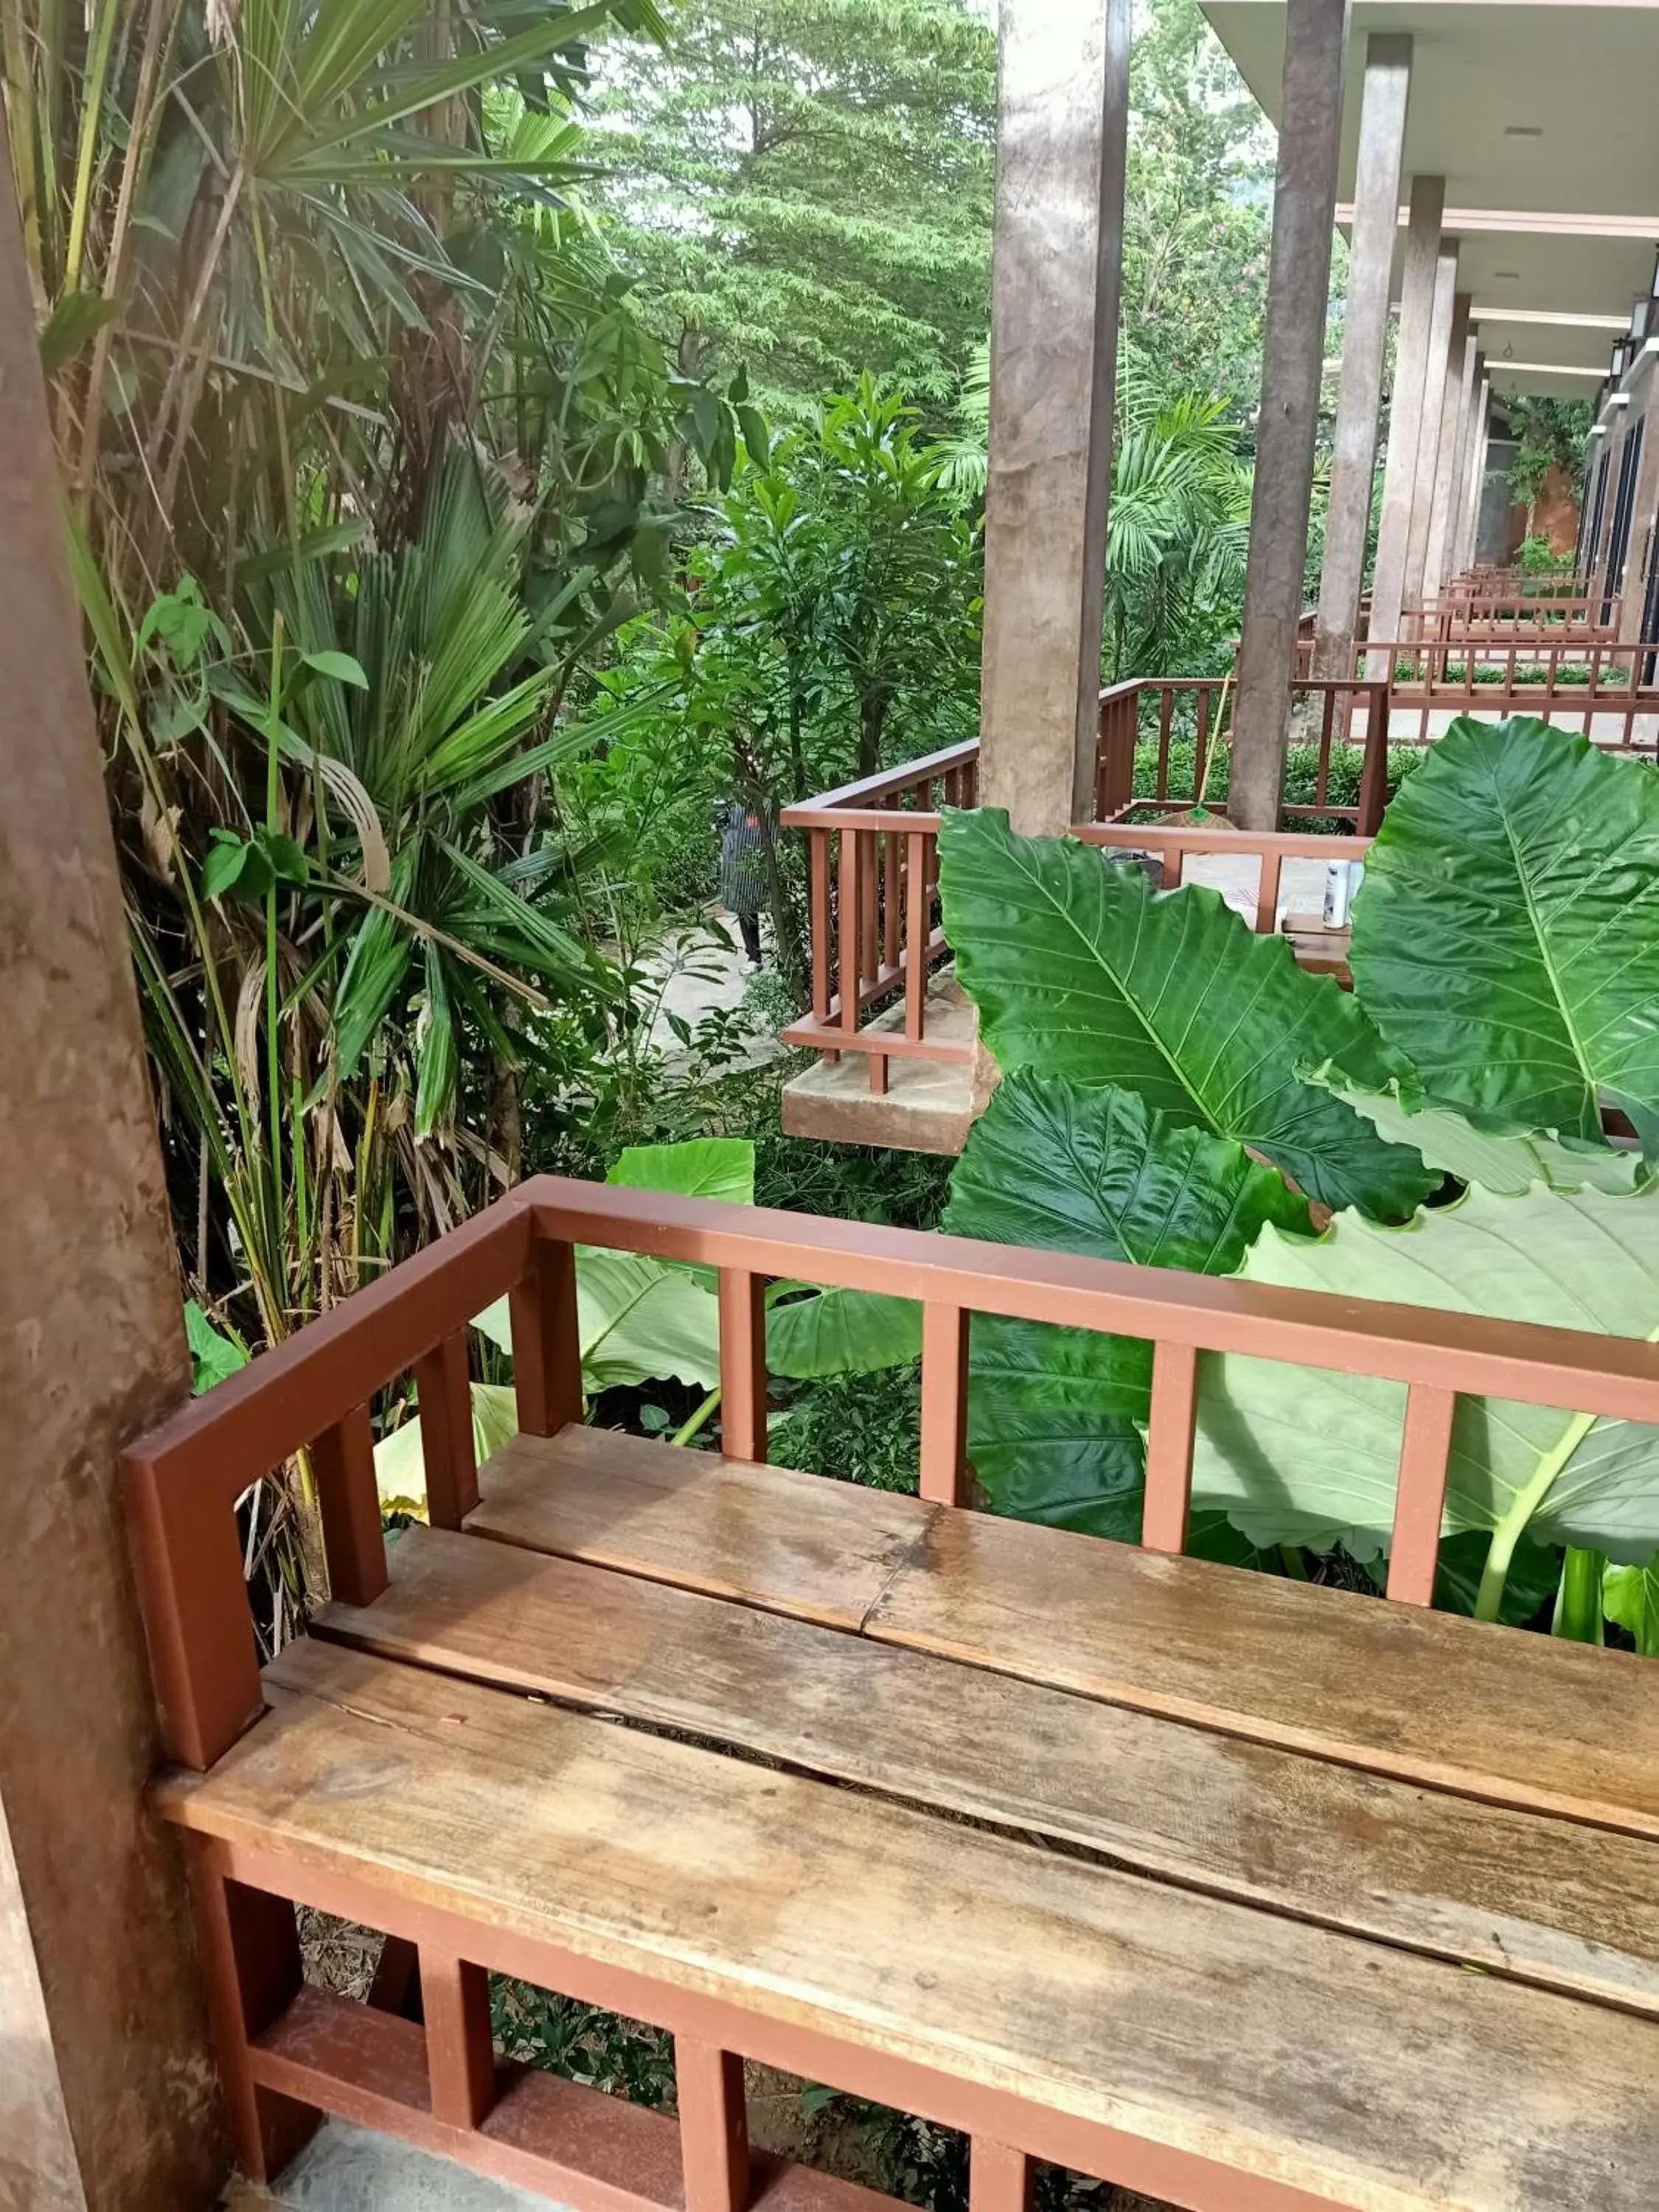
108 2098
1469 432
1293 353
1428 201
1441 326
1063 93
1475 484
1643 522
1454 431
1364 349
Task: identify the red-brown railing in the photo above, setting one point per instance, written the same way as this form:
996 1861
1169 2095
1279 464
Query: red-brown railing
1606 691
873 846
1173 844
1580 619
872 872
313 1393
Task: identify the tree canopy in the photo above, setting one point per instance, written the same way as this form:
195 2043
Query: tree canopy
806 186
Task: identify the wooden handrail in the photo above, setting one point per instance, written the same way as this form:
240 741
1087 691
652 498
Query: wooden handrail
184 1477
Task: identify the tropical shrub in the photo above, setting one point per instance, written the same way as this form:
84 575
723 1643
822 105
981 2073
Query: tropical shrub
1505 954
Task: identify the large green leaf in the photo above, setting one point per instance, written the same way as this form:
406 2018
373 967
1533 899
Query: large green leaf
1079 969
1506 938
640 1320
704 1167
400 1464
1631 1595
1301 1455
841 1333
1055 1415
1510 1161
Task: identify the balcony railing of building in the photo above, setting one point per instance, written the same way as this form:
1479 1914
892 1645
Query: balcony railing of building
873 846
876 936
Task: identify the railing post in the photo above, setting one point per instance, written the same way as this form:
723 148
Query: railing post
443 1391
1169 1428
742 1363
847 930
819 840
917 931
944 1336
349 1501
547 1361
460 2055
1374 773
1420 1496
713 2127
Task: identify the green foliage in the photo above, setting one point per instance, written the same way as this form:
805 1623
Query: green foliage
215 1355
1507 939
1056 1415
1550 435
1631 1595
805 185
1569 1259
833 626
1197 220
1079 968
1505 924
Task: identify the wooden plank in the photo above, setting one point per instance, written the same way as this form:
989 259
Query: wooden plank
1454 1703
792 1542
1546 1900
1364 2076
1428 1698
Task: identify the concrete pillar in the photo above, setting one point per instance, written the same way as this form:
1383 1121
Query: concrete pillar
1454 424
1063 88
1475 483
1364 349
1468 437
1441 327
1644 518
1428 201
1293 352
108 2098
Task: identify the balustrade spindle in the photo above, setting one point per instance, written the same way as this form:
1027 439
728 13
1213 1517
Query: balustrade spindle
742 1363
1420 1496
1169 1430
349 1505
443 1389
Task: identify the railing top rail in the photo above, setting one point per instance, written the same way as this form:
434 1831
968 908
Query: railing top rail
285 1398
877 820
1185 837
888 782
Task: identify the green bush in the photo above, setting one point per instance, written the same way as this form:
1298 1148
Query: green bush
1301 775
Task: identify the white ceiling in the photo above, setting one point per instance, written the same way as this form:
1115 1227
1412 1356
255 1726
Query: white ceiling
1565 223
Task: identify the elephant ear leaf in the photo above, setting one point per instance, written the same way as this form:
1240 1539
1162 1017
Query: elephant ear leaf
1055 1415
1506 939
1297 1454
1079 969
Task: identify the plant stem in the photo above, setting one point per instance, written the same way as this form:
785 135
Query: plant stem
273 994
1523 1506
1578 1613
698 1421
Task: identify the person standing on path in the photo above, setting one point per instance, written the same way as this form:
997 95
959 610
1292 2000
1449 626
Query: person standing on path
743 871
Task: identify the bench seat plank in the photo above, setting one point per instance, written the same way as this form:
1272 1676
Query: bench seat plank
1550 1901
1424 1697
763 1534
1363 2075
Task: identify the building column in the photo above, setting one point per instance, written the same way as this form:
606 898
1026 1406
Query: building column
1062 125
1293 353
1428 201
1454 414
108 2091
1475 485
1644 516
1440 324
1364 349
1468 439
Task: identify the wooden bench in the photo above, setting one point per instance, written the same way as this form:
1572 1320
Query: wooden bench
1245 1894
